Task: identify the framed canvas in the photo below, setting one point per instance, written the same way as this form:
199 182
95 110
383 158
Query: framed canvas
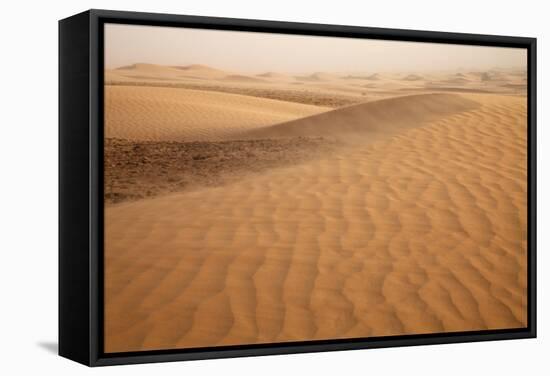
235 187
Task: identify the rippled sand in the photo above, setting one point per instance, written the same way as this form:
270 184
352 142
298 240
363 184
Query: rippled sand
421 229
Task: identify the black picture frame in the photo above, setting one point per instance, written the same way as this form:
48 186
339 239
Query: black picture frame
81 182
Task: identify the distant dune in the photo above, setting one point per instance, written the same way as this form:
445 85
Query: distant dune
413 77
145 67
317 77
333 88
144 70
275 75
242 78
486 76
494 76
174 72
202 71
373 77
457 80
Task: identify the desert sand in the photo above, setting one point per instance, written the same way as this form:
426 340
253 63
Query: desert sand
175 114
275 207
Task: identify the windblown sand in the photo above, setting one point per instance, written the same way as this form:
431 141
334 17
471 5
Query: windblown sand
414 223
136 170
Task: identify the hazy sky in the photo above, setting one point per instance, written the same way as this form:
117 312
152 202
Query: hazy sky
249 52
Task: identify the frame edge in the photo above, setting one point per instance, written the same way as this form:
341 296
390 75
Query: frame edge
74 250
94 354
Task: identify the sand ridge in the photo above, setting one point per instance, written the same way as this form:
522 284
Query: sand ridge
374 118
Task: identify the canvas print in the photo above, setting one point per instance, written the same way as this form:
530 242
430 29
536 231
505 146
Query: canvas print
266 188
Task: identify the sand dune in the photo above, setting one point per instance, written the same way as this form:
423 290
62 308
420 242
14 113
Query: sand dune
142 71
202 71
242 78
493 76
457 80
435 87
332 89
375 118
412 77
174 114
317 77
147 68
420 232
152 71
275 76
114 76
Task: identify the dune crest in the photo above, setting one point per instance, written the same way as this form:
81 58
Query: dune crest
201 71
373 118
146 69
242 78
413 77
144 66
274 75
317 77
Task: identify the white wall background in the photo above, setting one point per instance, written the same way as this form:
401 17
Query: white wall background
28 185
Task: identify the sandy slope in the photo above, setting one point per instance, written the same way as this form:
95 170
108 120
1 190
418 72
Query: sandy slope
174 114
201 71
375 118
423 231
